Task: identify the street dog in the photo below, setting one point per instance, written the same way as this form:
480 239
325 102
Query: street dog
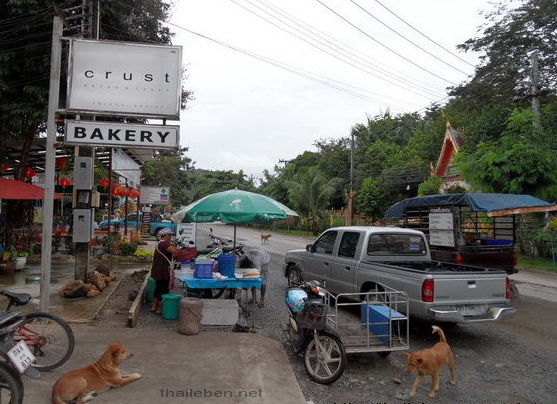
83 385
265 238
429 362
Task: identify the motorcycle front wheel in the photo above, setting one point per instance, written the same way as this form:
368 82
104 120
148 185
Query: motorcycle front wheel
325 358
295 338
11 385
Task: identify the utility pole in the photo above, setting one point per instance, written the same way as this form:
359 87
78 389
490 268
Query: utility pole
535 88
50 157
351 190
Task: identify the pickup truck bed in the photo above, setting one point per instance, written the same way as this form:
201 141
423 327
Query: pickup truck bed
437 266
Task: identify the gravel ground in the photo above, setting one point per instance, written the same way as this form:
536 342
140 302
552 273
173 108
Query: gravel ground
488 370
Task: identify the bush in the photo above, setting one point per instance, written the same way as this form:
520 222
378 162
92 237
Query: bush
545 241
129 248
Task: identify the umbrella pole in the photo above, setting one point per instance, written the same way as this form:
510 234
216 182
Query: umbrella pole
234 243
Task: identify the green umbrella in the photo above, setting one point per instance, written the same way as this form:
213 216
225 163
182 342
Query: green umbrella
234 206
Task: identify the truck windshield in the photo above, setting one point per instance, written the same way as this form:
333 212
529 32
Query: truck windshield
396 244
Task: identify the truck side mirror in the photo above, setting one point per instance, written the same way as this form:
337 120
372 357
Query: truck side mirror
310 248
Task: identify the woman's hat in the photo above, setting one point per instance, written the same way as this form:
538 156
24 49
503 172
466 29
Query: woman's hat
166 231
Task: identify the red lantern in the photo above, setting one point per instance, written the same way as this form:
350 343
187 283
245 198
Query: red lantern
61 162
104 182
65 182
29 172
118 190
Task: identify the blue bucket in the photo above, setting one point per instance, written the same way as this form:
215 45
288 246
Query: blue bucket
227 264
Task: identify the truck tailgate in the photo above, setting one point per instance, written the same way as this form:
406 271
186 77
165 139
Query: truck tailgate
469 288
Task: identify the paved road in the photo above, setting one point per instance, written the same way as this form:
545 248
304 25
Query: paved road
509 362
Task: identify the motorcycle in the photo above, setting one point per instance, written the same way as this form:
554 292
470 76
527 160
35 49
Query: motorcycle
25 346
308 332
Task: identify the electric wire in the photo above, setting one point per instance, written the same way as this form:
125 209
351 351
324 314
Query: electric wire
424 35
312 76
342 51
383 45
406 39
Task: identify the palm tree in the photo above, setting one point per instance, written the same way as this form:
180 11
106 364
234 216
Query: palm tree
310 194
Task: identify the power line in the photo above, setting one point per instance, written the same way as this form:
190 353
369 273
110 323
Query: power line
406 39
312 76
382 44
342 50
424 35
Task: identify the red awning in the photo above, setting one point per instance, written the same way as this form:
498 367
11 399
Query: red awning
12 189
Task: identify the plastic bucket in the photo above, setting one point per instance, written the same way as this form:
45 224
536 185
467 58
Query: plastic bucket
170 306
227 262
150 292
191 311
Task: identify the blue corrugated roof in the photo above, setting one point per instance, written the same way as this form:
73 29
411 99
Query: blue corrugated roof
489 203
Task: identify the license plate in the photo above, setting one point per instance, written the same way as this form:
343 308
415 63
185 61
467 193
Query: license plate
470 309
21 356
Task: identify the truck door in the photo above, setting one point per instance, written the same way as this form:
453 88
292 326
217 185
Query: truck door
343 267
318 262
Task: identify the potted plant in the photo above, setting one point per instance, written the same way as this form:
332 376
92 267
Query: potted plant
8 262
21 256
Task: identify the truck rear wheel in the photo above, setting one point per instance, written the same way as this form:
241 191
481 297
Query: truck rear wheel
376 294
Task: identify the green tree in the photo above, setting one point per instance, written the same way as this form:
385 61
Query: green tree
171 168
508 41
309 196
369 199
519 162
430 186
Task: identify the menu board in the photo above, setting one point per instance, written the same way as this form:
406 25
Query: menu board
441 227
185 234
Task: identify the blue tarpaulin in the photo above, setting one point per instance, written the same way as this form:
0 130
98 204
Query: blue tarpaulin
492 204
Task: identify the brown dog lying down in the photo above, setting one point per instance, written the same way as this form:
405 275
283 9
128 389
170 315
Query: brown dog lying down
429 362
82 385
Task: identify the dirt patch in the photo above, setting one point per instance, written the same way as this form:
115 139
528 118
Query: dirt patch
116 309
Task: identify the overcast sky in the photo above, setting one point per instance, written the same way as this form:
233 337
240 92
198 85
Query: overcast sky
271 77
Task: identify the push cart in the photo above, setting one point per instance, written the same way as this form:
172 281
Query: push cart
370 322
328 327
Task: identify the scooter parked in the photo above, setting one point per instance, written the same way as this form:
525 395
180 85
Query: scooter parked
308 332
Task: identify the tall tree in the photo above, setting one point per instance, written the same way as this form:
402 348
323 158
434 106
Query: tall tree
309 195
509 39
520 162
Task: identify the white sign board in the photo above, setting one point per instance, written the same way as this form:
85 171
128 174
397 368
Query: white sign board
185 232
125 78
154 195
441 227
122 135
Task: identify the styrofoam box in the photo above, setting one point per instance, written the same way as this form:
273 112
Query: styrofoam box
183 273
220 312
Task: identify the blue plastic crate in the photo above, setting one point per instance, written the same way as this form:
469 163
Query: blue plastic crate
203 271
378 318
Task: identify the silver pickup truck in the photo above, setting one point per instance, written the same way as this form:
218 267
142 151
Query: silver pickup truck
360 259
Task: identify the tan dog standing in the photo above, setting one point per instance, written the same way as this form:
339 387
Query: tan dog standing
265 238
83 385
429 362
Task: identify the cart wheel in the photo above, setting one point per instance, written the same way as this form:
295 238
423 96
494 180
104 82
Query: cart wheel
325 358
